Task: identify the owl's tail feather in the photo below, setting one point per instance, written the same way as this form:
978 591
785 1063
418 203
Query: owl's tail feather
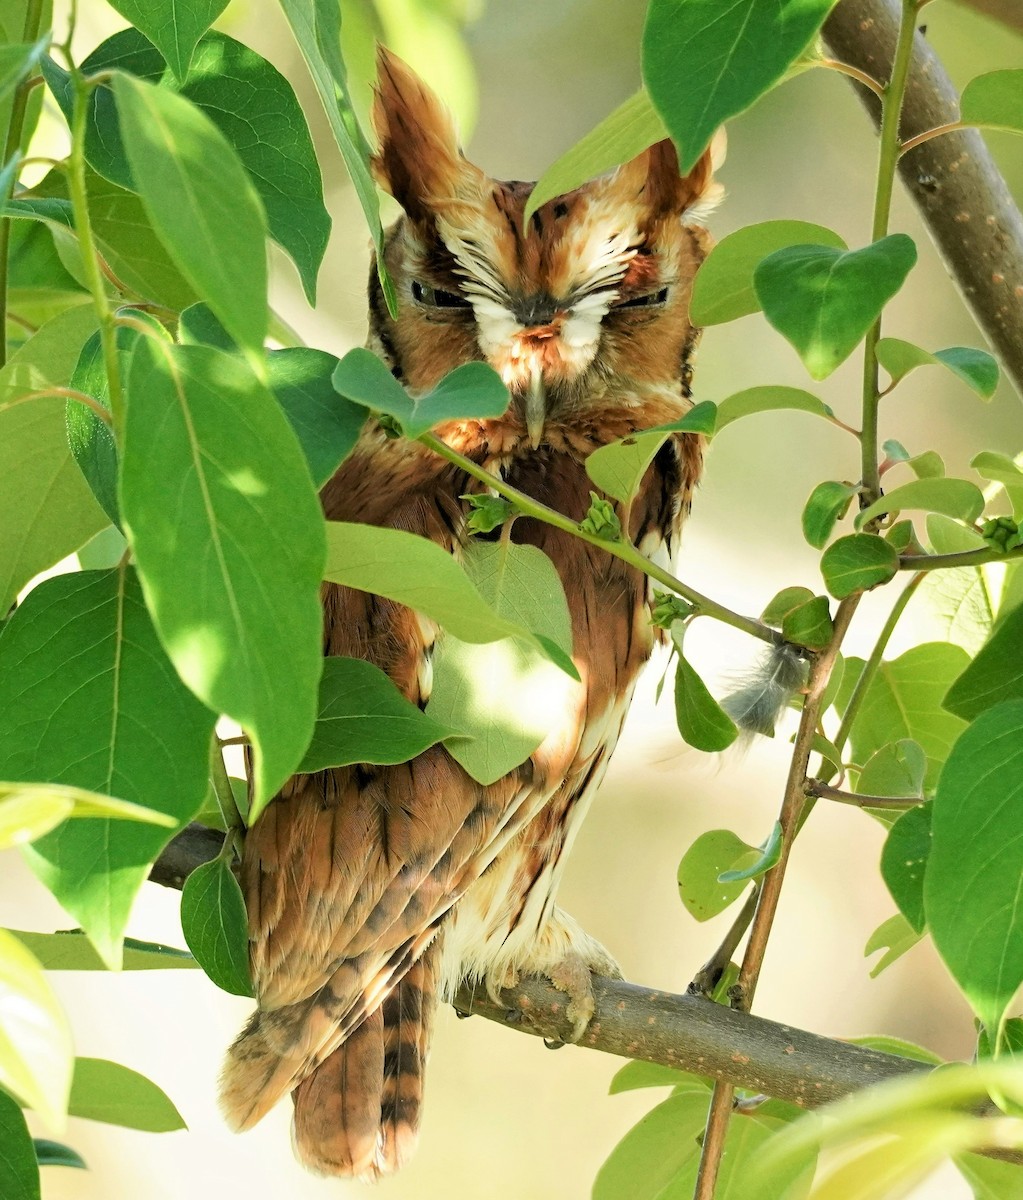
358 1113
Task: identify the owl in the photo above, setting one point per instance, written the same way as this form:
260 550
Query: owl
374 891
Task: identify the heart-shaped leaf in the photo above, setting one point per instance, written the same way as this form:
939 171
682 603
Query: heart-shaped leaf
105 1091
856 563
699 872
618 468
783 603
976 368
723 289
173 27
809 624
824 300
897 769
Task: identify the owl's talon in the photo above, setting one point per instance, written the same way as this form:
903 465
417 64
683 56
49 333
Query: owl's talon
554 1044
462 1015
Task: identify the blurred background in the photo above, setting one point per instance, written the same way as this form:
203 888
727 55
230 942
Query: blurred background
505 1118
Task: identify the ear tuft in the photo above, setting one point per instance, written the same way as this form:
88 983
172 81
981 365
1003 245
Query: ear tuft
654 177
418 161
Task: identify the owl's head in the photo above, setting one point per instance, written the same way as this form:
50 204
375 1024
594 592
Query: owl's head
591 296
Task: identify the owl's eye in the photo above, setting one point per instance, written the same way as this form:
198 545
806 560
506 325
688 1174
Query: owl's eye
647 301
422 293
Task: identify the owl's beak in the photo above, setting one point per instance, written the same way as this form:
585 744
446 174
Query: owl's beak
536 407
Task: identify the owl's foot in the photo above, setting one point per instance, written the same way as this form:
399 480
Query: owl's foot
573 975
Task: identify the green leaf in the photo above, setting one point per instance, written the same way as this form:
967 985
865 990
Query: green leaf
92 440
18 61
823 300
971 889
316 25
809 624
174 28
363 718
702 722
487 512
46 508
929 465
827 504
1000 468
786 601
54 1154
994 100
723 289
952 497
895 937
71 950
89 699
904 701
658 1159
232 568
473 391
29 810
35 1041
19 1168
106 1091
856 563
976 368
638 1074
886 1044
767 857
904 861
620 137
896 770
326 424
703 63
767 399
201 202
901 536
989 1178
503 694
414 571
895 451
700 886
618 468
216 926
995 675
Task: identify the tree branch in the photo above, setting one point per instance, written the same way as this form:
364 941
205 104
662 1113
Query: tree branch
959 191
688 1033
1009 12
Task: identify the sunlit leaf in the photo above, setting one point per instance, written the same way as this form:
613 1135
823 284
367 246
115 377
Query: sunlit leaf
71 950
106 1091
638 1074
699 873
894 936
952 497
994 100
35 1042
173 27
995 675
824 300
19 1168
231 570
618 468
767 399
723 290
622 135
976 368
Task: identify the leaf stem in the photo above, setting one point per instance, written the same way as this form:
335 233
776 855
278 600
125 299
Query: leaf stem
222 789
888 156
68 394
12 142
621 548
87 244
824 791
928 134
963 558
868 81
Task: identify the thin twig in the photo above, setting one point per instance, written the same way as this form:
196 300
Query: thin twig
964 558
824 791
928 134
843 68
622 548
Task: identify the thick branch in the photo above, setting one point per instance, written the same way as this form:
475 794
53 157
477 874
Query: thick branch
957 187
1009 12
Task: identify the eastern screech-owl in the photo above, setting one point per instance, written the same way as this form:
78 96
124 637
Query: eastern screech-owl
373 892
